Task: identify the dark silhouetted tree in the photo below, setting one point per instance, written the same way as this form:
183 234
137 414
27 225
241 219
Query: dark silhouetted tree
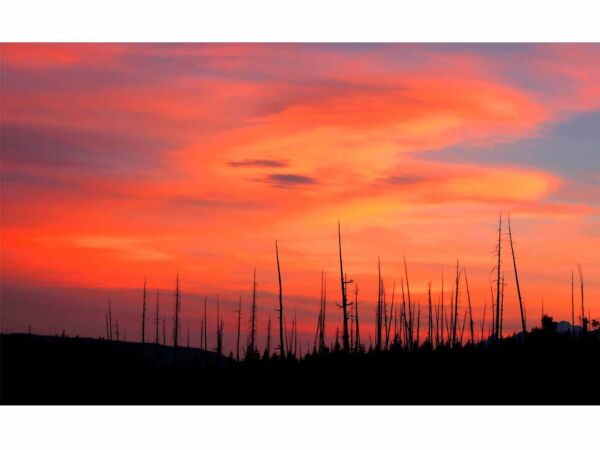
157 320
357 324
344 305
252 351
583 318
219 347
239 324
144 314
205 327
110 324
267 353
498 279
572 302
514 258
430 316
281 316
176 324
455 313
471 327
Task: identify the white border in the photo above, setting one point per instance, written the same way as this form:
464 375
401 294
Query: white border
304 21
300 428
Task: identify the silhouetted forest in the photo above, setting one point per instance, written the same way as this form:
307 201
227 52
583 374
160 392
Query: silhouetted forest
548 367
433 352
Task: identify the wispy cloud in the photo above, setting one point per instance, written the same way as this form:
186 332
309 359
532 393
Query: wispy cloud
289 179
258 163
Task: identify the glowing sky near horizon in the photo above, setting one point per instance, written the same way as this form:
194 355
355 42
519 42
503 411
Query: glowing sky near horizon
121 162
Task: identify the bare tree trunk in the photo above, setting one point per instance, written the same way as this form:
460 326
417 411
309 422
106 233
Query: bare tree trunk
448 326
493 308
514 258
252 346
483 320
144 314
110 329
410 309
572 303
219 348
205 326
320 317
455 314
287 338
437 323
157 320
403 320
320 333
357 340
470 307
418 324
462 330
345 340
177 311
107 332
442 312
502 286
389 319
202 333
239 324
498 293
430 316
379 310
351 317
583 318
281 343
268 347
295 335
324 320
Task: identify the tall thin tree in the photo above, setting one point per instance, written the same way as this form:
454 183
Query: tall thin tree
107 332
514 258
470 307
205 327
219 333
572 302
455 313
322 339
144 314
379 309
344 282
430 316
442 311
281 317
498 278
410 309
252 340
268 346
110 325
239 324
157 320
177 313
583 318
357 322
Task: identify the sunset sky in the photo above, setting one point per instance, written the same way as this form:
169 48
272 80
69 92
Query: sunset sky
120 162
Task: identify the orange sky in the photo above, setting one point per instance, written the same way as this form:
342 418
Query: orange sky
121 162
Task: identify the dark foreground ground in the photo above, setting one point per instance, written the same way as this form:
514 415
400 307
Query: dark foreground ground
547 369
